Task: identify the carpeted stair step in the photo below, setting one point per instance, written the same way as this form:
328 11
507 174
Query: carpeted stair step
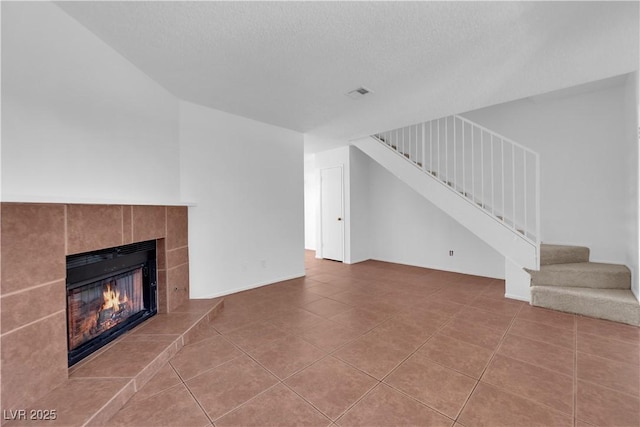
583 275
618 305
562 254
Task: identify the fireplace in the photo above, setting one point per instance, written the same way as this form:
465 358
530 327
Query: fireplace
36 239
108 292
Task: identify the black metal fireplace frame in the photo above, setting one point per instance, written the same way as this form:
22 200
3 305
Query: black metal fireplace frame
89 267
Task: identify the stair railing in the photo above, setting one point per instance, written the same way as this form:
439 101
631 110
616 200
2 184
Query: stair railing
492 172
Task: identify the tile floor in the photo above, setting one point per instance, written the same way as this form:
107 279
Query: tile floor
375 344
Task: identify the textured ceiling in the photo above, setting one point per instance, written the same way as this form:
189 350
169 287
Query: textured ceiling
291 63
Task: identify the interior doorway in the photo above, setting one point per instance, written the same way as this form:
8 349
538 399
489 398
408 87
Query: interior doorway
332 214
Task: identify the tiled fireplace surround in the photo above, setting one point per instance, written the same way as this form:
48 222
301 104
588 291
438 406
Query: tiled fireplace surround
35 239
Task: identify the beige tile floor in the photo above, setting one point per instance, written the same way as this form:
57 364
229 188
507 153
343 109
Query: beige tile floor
376 344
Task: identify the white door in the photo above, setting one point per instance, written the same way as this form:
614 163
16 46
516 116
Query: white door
331 213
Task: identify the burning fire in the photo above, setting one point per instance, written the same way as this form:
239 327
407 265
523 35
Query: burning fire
91 313
112 299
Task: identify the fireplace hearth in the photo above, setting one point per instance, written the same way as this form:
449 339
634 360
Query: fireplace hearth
108 292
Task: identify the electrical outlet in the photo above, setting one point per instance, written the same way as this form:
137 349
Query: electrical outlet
451 253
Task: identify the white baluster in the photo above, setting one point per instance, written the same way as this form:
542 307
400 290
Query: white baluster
513 183
433 151
464 166
424 163
493 189
438 149
455 159
473 163
482 167
504 214
446 149
524 168
416 158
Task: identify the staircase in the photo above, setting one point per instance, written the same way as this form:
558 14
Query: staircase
485 181
491 185
567 281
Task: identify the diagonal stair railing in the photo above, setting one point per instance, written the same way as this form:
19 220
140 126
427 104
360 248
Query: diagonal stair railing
492 172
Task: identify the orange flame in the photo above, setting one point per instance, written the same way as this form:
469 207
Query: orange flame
112 299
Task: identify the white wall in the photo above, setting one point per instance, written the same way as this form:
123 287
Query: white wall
587 197
406 228
79 122
359 196
632 128
246 179
311 195
82 124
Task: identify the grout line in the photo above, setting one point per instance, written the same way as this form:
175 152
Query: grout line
378 383
513 393
357 401
30 288
504 335
196 400
101 378
132 222
381 381
66 231
607 337
177 266
184 382
64 310
304 398
166 223
426 404
95 354
122 240
634 396
329 354
535 402
235 408
536 364
495 352
247 354
108 402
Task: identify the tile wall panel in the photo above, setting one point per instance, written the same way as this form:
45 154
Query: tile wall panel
21 308
177 227
177 277
162 291
161 254
33 245
92 227
34 361
177 257
149 222
127 225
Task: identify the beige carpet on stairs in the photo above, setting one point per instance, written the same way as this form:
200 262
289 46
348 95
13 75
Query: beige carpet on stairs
561 254
568 282
583 275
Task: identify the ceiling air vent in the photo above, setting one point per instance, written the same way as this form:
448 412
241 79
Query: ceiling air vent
358 93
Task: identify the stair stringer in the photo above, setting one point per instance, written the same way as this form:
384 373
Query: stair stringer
503 239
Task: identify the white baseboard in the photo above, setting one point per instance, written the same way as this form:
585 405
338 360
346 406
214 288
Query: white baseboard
251 286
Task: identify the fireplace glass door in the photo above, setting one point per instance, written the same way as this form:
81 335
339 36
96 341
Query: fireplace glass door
108 292
102 305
